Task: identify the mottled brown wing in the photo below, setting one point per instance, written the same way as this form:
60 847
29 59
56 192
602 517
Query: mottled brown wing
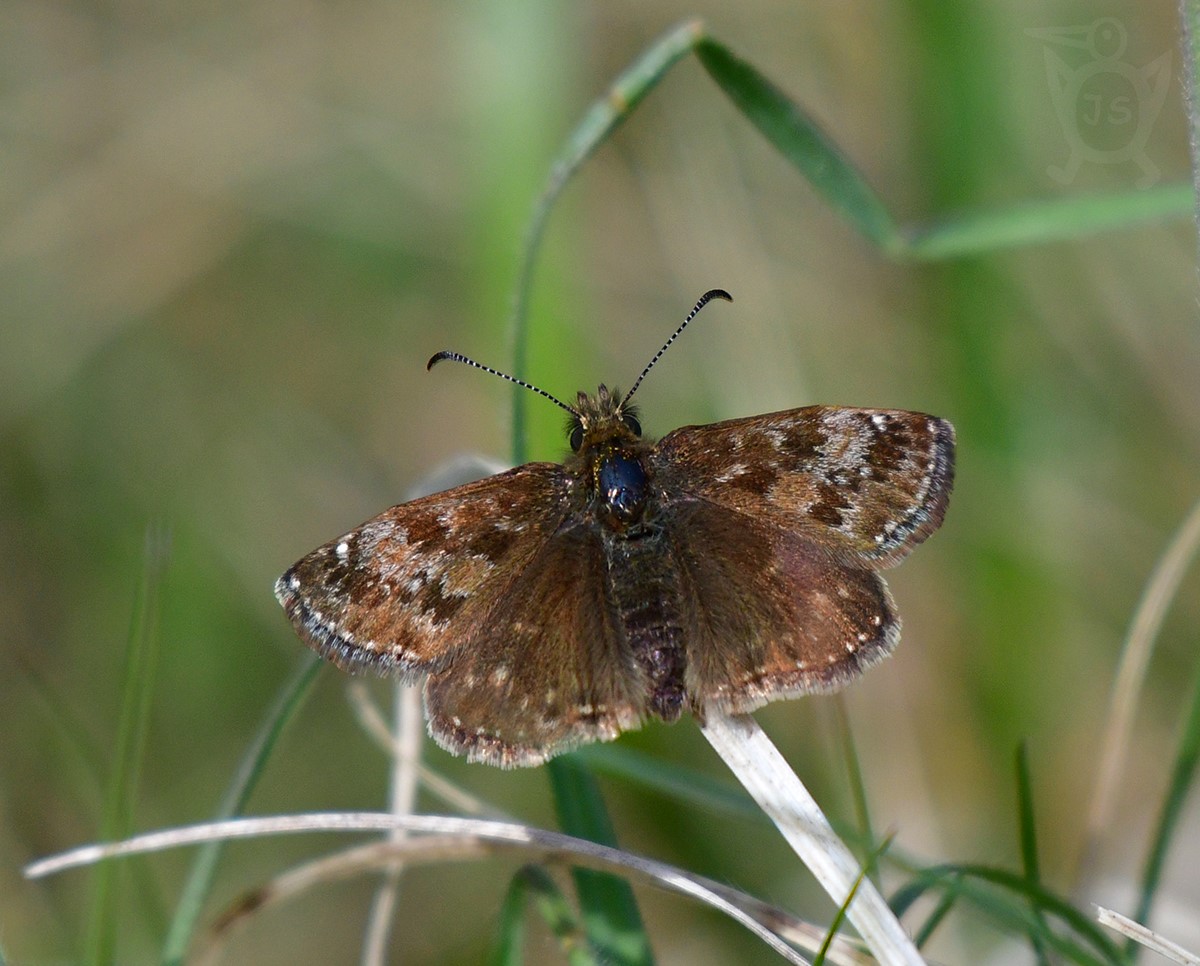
400 593
867 485
546 669
771 614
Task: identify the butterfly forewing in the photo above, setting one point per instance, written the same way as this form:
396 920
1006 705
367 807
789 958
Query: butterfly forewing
403 591
867 484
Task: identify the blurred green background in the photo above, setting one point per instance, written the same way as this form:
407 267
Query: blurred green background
233 233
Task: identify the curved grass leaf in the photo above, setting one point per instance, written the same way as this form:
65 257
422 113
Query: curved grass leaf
601 119
801 141
1012 905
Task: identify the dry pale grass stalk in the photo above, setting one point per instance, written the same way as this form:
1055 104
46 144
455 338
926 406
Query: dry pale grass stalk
1146 937
769 779
1131 675
374 856
376 727
466 830
405 779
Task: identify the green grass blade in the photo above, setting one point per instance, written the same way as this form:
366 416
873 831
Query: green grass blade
798 138
141 660
1040 222
509 946
533 883
1011 905
85 755
1027 825
858 789
940 912
602 118
840 918
1182 775
610 912
688 785
200 879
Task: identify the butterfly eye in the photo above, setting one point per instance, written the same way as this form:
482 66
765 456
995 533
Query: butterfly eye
632 424
576 438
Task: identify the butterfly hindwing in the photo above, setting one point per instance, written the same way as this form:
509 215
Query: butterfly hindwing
546 669
772 614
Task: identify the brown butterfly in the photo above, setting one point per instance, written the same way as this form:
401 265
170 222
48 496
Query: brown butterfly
723 567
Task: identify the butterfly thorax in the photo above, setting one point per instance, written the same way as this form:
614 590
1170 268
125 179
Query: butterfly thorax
610 455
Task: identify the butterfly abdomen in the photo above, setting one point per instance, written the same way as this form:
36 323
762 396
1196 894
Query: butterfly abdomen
646 595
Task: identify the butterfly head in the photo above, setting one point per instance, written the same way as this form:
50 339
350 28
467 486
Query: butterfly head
607 452
605 418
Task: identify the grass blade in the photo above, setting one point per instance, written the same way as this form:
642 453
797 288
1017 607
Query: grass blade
141 660
940 912
1157 597
687 785
509 947
550 846
1182 776
766 775
610 912
798 138
1041 222
601 119
858 789
200 879
1146 937
1027 824
1010 905
534 884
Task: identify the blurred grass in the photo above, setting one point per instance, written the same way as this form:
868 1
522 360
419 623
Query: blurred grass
233 235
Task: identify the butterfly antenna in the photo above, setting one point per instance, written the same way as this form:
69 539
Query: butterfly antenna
716 293
459 357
